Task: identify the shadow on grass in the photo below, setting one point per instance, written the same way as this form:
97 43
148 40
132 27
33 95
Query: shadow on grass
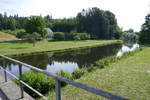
20 48
67 40
26 41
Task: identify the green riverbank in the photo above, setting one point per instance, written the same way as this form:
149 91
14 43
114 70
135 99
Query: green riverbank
20 47
129 77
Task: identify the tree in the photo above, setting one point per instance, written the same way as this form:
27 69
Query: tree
33 38
63 25
99 23
11 23
129 37
144 37
5 21
130 30
36 24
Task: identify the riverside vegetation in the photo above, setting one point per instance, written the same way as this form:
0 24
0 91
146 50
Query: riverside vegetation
127 76
45 84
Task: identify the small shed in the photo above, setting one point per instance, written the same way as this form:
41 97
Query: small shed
49 32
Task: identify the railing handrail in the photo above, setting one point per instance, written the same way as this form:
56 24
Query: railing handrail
74 83
41 95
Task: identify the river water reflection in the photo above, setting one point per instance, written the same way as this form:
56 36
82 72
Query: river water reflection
65 60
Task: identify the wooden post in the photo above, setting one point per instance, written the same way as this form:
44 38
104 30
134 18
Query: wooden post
58 90
20 78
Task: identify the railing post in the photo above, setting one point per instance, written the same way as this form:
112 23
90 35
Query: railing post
58 90
4 66
20 78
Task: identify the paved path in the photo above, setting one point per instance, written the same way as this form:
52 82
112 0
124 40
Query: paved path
11 91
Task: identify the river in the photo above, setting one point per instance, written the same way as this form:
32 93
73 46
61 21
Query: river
68 60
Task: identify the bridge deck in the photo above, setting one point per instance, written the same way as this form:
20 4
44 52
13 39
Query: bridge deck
11 91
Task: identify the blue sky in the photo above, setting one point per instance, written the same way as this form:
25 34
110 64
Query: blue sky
129 13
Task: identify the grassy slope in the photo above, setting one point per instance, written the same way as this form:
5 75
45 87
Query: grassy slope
19 47
130 77
6 37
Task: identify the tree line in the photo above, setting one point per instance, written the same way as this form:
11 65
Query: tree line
91 23
98 23
12 22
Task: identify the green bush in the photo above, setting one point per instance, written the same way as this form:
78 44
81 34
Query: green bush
78 73
64 74
91 68
81 36
100 64
14 32
69 36
37 81
59 36
106 61
84 36
21 35
76 37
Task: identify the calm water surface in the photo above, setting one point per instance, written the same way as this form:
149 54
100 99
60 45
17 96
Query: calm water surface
66 60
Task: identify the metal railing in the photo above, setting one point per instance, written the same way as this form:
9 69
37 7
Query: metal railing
58 79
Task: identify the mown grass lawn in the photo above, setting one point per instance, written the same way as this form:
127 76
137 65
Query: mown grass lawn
130 78
21 47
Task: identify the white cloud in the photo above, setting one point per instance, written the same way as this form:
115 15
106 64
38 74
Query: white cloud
129 13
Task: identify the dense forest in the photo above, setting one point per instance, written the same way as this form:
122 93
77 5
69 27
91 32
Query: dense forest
98 23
